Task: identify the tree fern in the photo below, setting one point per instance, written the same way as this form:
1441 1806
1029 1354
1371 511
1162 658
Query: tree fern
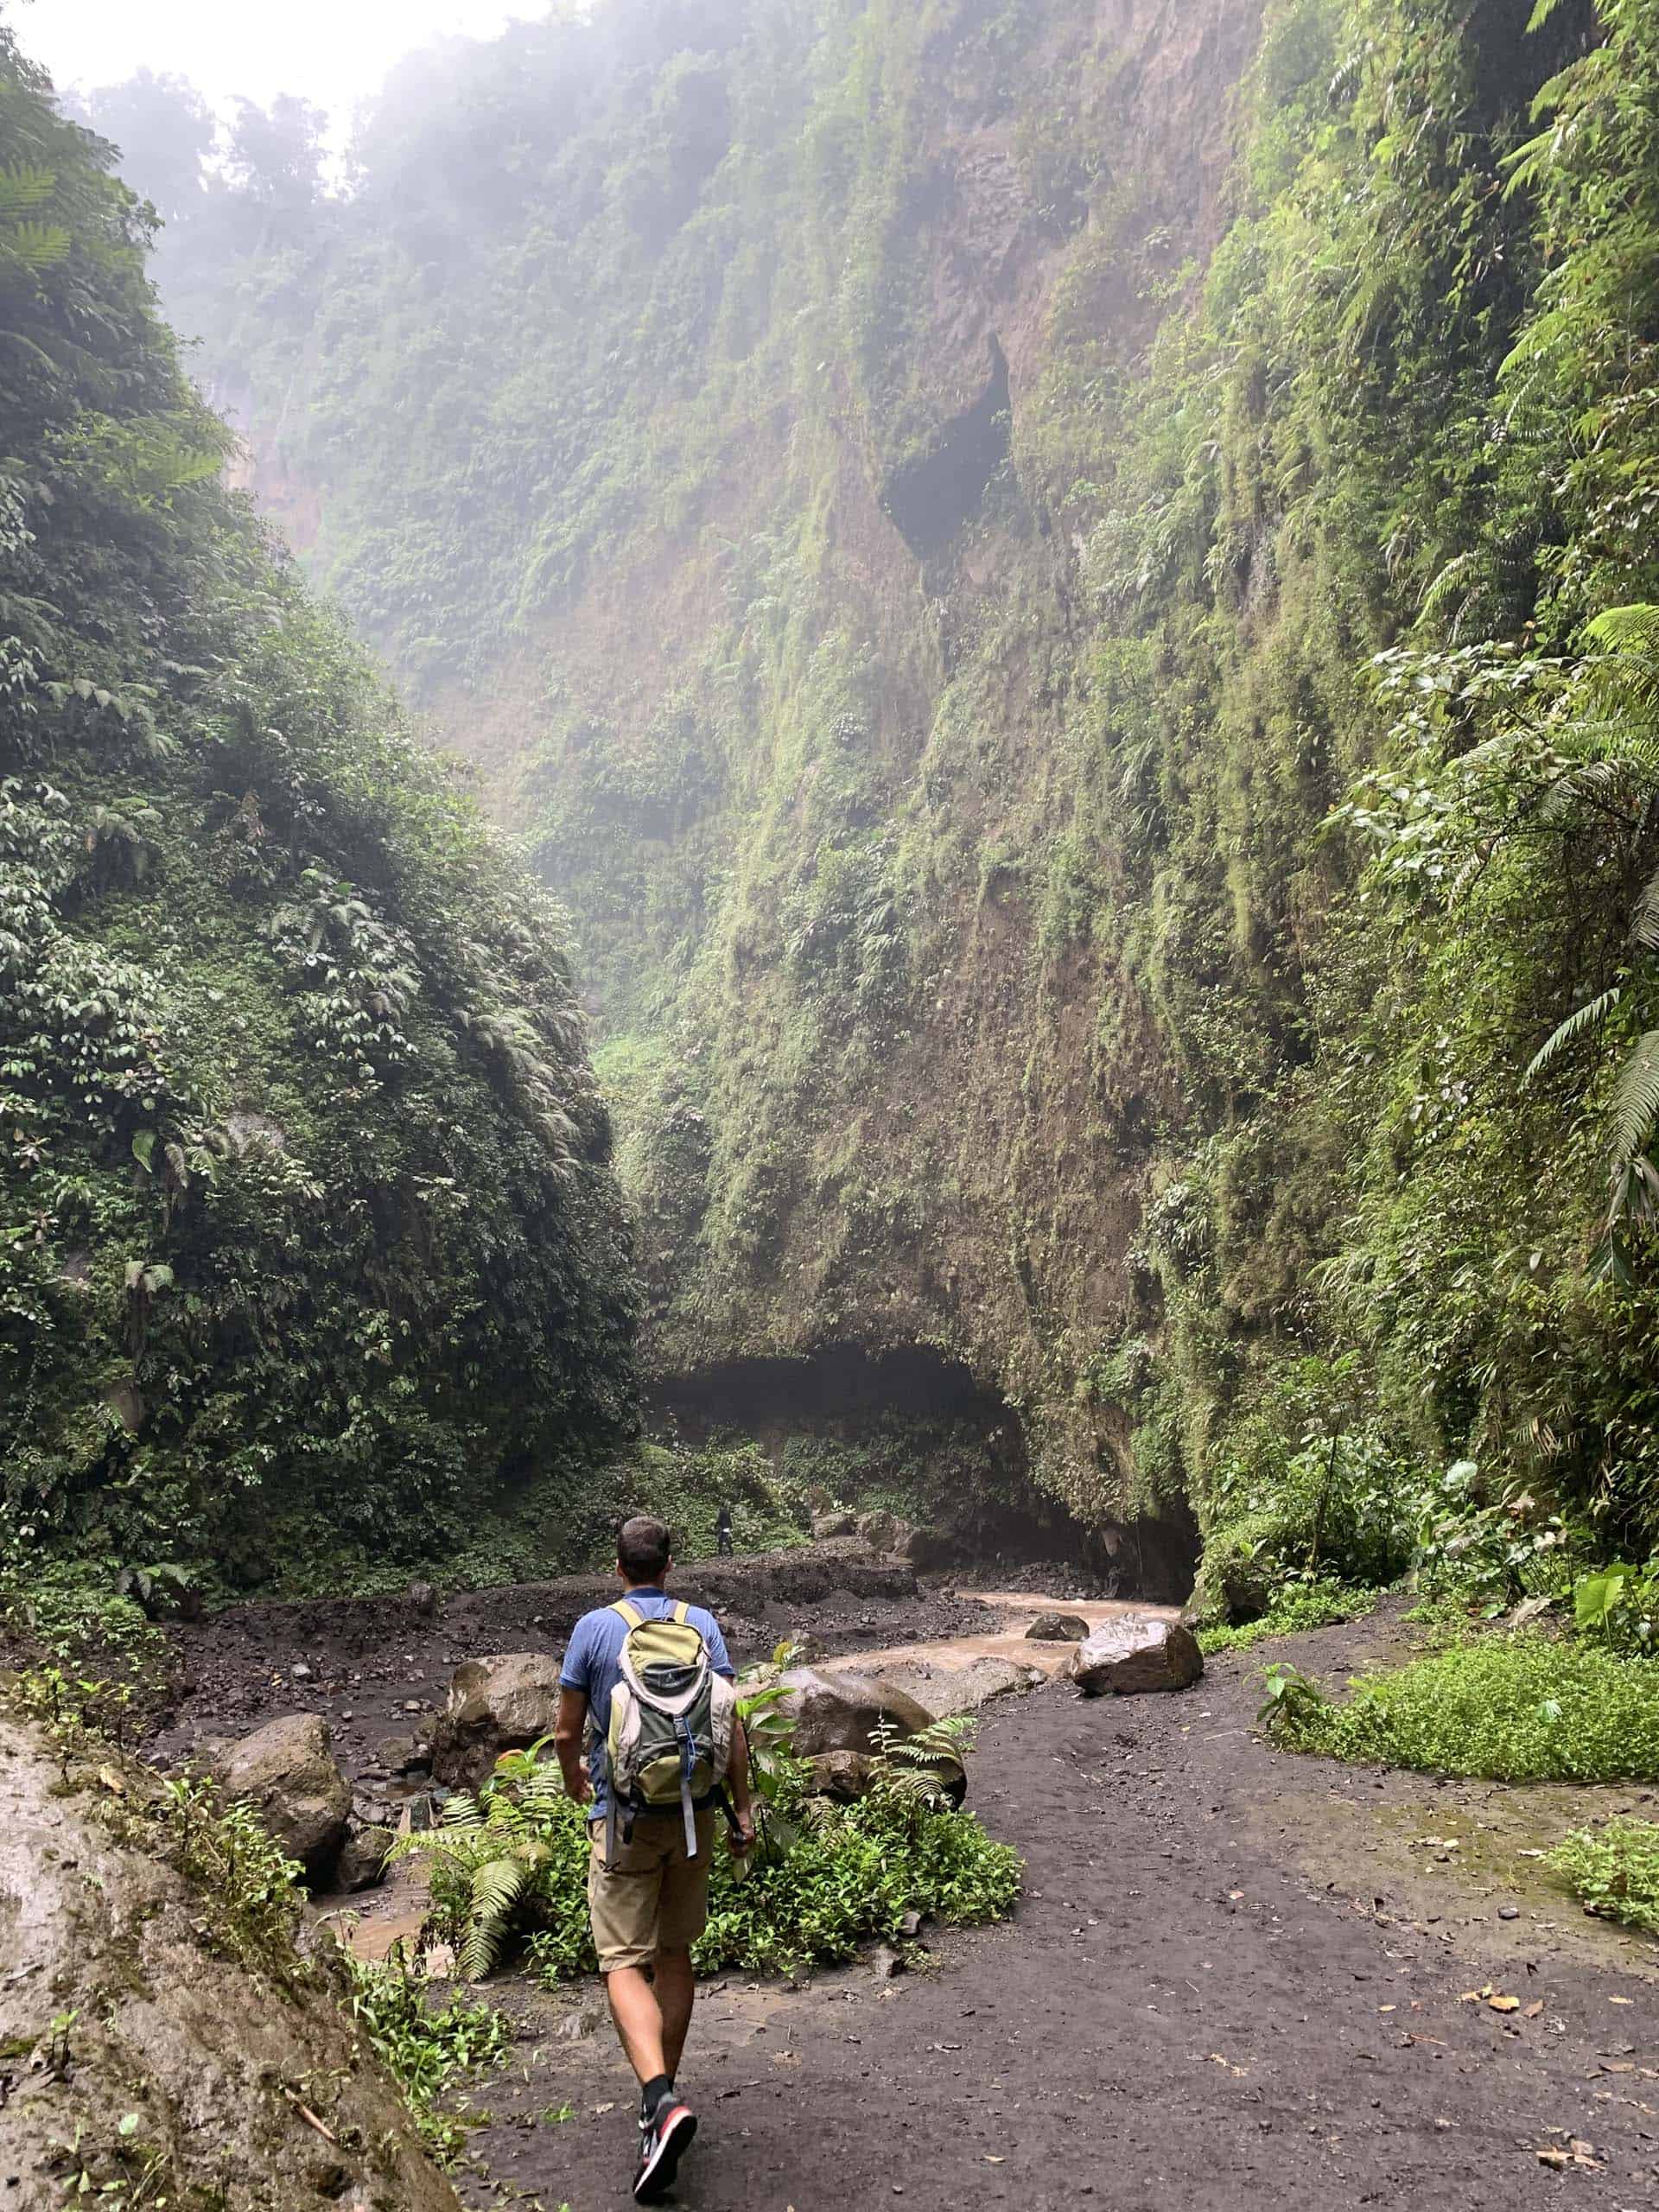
1589 1016
1636 1101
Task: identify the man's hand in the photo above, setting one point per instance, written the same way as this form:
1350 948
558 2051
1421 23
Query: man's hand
743 1835
577 1786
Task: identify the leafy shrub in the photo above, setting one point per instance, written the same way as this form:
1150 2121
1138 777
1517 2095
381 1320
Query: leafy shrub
1614 1872
513 1866
1311 1604
424 2050
1521 1708
1289 1698
1619 1605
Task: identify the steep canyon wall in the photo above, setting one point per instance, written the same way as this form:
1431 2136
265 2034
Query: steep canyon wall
899 505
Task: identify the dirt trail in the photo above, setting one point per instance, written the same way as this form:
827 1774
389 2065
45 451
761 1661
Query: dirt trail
1237 1976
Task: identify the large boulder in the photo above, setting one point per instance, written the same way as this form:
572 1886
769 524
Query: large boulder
842 1775
1121 1658
1058 1628
843 1712
882 1531
500 1704
836 1522
945 1688
193 2053
287 1772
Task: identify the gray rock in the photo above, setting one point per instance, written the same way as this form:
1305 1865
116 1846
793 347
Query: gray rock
886 1533
842 1775
1058 1628
1123 1658
424 1597
287 1771
842 1711
362 1862
500 1704
397 1754
157 2015
827 1525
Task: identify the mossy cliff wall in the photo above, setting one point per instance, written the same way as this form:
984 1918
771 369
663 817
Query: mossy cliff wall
901 502
309 1243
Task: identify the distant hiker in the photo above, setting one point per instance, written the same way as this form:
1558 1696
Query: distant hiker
723 1531
649 1680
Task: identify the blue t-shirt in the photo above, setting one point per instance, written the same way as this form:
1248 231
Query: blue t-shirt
592 1664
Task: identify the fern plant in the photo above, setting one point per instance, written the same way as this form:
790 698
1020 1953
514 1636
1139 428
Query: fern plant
912 1774
490 1854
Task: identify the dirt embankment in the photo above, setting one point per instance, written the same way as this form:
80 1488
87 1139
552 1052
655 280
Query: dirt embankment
151 2053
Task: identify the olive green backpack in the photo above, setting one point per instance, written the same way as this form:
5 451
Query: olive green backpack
669 1739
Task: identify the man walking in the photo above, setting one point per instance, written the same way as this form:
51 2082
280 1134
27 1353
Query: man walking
723 1532
648 1863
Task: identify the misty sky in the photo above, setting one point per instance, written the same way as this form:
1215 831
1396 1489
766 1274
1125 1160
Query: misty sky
333 52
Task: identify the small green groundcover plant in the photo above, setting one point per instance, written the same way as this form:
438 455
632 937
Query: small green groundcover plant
1521 1706
508 1868
424 2047
1613 1870
1295 1605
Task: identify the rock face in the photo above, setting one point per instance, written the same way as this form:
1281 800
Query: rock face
1121 1658
496 1704
166 2024
287 1772
1058 1628
842 1712
842 1775
826 1525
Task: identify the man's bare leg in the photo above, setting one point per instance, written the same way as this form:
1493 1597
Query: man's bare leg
639 2020
676 1988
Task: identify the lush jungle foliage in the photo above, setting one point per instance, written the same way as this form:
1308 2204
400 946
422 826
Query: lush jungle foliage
308 1241
1096 709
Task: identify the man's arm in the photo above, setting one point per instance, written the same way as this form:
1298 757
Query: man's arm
737 1781
567 1742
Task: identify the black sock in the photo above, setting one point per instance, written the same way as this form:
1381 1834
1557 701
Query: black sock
653 2093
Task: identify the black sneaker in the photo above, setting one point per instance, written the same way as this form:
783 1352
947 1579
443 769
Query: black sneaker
662 2143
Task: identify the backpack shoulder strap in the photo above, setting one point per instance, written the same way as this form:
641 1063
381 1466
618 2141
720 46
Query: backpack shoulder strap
630 1614
682 1611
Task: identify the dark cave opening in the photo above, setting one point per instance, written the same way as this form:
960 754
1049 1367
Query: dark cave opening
932 497
862 1426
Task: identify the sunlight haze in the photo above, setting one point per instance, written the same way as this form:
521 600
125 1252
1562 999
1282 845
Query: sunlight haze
333 54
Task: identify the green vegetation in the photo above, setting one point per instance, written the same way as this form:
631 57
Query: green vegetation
510 1867
309 1246
425 2048
1114 834
1295 1605
1521 1708
1613 1870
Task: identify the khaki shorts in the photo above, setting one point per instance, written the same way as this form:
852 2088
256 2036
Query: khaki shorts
654 1898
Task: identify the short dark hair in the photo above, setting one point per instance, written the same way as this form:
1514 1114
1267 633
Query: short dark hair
642 1549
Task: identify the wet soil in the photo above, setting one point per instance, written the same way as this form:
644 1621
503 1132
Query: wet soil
1237 1974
